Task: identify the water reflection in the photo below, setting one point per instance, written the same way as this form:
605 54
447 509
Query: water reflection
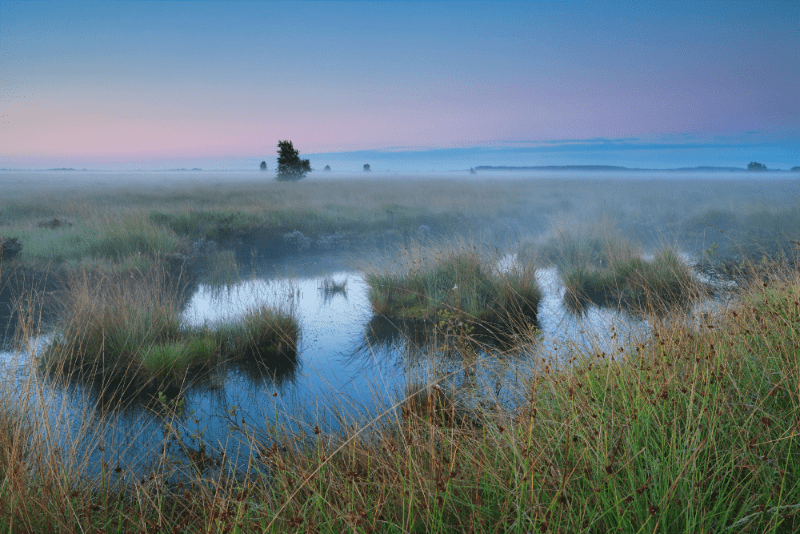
348 364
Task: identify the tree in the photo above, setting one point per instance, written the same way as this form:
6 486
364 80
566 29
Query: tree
327 168
290 166
263 165
756 166
795 169
366 167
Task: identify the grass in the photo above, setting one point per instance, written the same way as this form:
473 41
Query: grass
598 265
580 248
115 240
211 224
126 330
114 222
264 332
439 281
692 429
654 285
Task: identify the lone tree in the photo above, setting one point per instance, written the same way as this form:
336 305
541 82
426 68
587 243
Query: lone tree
327 168
366 167
263 165
290 166
756 166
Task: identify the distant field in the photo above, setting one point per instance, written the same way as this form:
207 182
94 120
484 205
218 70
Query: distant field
114 216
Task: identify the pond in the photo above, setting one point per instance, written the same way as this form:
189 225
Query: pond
350 366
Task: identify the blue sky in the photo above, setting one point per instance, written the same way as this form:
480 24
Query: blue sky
454 84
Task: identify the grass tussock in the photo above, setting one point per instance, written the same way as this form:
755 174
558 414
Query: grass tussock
600 266
454 281
128 330
264 332
654 285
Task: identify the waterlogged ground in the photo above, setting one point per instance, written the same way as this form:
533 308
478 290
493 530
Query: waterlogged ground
347 369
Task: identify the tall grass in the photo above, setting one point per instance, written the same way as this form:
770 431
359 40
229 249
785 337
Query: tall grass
115 239
455 280
693 429
127 330
598 265
654 285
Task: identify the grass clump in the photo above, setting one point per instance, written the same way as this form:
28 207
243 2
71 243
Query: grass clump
263 333
599 266
111 322
571 248
123 330
456 281
636 283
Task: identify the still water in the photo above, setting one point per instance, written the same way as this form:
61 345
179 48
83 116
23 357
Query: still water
351 366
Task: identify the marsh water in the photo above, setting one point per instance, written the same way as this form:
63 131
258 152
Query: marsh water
351 366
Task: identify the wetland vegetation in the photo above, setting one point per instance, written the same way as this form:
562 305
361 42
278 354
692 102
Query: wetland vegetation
689 425
458 281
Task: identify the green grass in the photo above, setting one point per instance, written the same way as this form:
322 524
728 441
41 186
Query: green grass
574 249
457 281
211 224
167 359
655 285
116 240
125 329
114 220
265 333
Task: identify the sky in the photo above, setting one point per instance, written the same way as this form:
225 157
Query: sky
407 85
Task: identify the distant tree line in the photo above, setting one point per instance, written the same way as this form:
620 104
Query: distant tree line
756 166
